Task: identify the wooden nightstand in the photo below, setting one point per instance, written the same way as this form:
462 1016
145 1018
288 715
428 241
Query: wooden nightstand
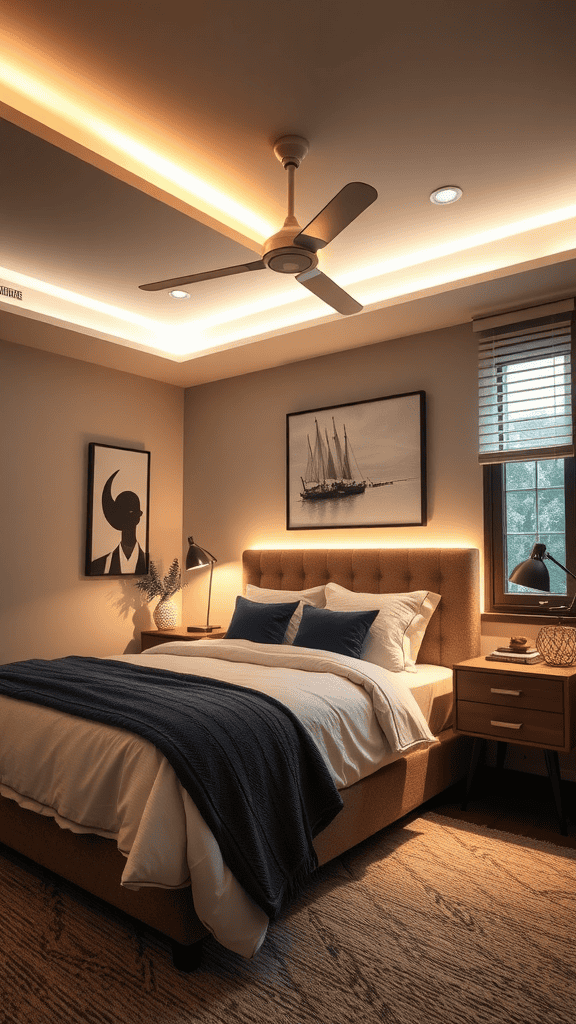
531 705
153 637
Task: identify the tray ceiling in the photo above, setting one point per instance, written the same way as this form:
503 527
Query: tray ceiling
140 147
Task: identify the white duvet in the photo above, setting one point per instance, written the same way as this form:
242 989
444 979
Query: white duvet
95 778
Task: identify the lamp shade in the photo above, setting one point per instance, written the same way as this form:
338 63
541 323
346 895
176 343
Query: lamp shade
532 572
197 556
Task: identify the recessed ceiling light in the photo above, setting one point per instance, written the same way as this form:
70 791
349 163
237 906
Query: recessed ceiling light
177 294
446 194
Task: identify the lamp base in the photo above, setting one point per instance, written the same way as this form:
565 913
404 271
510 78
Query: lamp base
201 629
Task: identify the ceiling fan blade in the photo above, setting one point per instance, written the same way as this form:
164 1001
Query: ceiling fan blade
327 290
208 275
348 204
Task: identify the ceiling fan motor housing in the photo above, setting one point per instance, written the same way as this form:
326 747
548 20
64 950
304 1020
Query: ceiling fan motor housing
281 255
290 260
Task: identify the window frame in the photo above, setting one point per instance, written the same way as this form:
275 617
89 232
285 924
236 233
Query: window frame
494 527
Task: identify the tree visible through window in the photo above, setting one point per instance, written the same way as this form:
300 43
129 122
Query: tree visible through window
534 511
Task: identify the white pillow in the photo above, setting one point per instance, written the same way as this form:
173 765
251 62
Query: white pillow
396 634
314 595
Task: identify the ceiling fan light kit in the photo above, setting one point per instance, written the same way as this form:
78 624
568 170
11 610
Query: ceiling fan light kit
292 250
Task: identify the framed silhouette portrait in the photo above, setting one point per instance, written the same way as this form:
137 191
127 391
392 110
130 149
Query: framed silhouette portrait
117 519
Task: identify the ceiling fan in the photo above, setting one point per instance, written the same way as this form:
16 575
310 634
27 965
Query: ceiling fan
292 250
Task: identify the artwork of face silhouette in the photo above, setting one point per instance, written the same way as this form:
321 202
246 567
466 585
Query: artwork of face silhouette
123 513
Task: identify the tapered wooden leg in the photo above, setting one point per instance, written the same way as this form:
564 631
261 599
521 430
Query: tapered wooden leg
500 754
553 768
476 752
187 958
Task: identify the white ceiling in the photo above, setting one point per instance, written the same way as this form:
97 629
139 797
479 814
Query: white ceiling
136 144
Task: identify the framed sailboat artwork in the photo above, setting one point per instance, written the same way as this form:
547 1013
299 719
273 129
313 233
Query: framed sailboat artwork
357 465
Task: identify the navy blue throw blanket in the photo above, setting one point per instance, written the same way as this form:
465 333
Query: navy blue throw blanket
251 767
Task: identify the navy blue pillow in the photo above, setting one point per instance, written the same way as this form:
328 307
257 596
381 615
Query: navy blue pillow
338 632
261 623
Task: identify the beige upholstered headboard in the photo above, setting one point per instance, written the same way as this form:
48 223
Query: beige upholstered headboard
453 633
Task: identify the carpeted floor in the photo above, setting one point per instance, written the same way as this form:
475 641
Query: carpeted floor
435 920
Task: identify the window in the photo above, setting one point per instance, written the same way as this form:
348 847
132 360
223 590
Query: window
526 502
527 448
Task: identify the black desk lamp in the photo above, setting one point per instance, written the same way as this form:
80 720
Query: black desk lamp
534 574
557 644
196 558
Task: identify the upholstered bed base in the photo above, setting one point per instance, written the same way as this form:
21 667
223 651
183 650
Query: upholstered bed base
95 864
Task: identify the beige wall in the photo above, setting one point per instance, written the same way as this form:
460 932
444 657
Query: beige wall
235 452
50 408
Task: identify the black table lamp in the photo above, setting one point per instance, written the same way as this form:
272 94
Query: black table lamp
196 558
557 644
534 574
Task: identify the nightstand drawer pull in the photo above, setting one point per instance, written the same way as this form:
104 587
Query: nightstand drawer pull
507 725
509 693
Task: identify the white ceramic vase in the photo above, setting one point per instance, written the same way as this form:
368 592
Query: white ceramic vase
165 613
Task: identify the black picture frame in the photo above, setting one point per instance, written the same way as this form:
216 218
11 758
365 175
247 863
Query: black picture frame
361 464
117 521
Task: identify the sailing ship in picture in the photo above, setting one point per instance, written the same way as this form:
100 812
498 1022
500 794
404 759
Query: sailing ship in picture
328 472
359 464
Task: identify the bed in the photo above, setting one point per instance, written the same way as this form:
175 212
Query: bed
93 861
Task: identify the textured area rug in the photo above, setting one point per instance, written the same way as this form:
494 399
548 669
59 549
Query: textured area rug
431 921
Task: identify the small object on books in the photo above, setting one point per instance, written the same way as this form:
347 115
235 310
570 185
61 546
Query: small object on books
529 657
518 643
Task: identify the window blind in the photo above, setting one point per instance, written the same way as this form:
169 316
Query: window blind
525 387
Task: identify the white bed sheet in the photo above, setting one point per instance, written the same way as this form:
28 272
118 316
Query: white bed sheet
94 778
432 686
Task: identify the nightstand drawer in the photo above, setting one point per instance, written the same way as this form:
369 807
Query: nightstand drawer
514 725
524 691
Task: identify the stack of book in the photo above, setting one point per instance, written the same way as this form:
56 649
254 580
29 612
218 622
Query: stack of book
521 655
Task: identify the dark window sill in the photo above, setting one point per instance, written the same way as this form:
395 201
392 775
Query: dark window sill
528 617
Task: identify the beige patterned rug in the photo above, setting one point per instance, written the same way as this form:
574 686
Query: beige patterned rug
433 921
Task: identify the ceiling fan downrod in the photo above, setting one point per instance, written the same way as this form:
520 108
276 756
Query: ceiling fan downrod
290 150
279 252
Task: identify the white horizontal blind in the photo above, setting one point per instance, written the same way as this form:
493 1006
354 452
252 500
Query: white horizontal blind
525 385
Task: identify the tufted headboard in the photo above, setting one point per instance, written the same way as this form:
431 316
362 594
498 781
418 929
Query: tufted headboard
454 630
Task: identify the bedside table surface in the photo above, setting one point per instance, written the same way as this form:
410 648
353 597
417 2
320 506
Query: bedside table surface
542 669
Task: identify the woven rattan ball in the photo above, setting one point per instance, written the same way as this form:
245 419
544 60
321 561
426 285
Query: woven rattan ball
557 644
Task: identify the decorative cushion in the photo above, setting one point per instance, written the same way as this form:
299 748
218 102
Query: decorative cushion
396 635
338 632
314 595
260 623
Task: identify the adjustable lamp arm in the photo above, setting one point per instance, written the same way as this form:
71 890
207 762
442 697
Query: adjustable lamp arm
559 564
568 608
209 596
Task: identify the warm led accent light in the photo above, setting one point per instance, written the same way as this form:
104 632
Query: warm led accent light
61 103
78 300
436 252
176 293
